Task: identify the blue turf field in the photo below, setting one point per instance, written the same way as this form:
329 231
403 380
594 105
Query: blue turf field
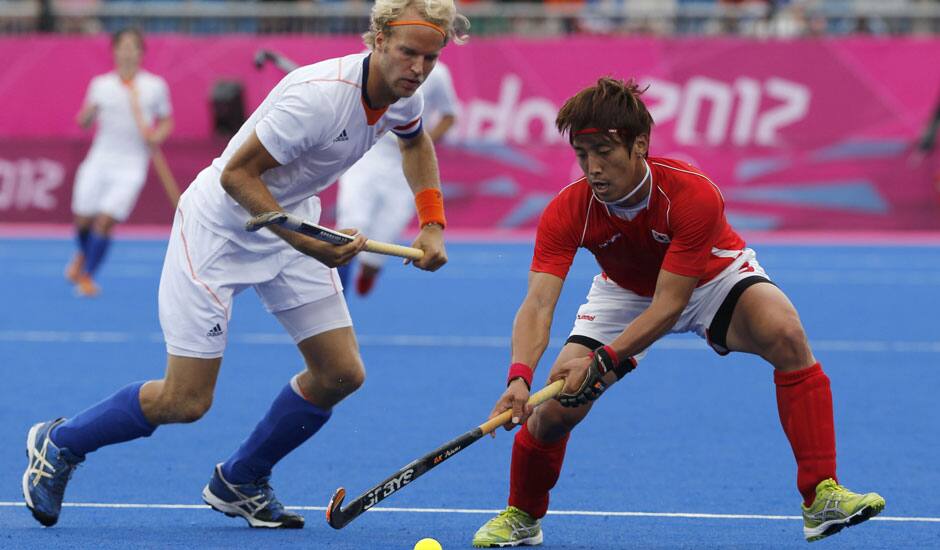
688 453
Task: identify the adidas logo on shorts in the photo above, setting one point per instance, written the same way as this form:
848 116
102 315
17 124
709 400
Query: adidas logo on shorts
342 136
215 331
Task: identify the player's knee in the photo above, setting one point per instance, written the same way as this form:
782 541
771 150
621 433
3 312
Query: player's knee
552 421
790 349
186 408
345 380
194 409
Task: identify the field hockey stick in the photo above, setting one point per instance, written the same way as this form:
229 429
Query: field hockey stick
160 165
295 223
165 175
280 61
339 518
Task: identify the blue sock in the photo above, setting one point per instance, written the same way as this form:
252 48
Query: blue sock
82 238
115 419
97 247
345 273
290 421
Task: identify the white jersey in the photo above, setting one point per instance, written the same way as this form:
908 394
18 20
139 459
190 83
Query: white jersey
117 134
316 123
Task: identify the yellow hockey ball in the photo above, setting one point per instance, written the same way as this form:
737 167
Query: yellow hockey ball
427 544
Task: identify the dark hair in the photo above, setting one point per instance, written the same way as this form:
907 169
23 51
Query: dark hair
133 31
610 104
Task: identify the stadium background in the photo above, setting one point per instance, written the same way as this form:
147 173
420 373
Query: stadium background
816 118
810 115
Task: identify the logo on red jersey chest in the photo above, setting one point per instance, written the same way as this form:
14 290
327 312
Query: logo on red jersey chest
660 237
610 241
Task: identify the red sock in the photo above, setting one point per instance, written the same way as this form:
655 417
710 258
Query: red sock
535 469
804 401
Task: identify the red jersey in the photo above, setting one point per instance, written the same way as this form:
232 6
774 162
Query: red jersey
682 230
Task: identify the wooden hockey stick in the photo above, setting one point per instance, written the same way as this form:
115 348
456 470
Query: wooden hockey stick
339 518
160 165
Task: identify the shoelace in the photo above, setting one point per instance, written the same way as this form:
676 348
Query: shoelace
514 520
38 464
257 502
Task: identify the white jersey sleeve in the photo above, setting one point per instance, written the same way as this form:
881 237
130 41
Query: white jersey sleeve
411 113
162 106
296 123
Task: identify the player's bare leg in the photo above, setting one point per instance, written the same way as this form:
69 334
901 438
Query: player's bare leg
537 454
185 392
766 323
334 368
239 487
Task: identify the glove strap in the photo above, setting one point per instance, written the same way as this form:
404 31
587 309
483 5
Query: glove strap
520 370
620 368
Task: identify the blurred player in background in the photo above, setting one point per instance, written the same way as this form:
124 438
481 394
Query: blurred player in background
314 124
132 109
374 195
670 263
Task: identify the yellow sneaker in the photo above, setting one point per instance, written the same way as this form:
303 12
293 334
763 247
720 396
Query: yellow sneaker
836 508
511 527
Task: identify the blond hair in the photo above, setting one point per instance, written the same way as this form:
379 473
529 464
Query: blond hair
442 13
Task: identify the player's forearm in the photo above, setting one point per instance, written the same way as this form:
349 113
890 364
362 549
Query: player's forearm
253 195
647 328
530 334
86 116
419 164
161 130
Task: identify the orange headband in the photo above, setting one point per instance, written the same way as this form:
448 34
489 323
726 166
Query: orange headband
419 22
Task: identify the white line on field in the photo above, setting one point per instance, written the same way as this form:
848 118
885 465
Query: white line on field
482 511
443 341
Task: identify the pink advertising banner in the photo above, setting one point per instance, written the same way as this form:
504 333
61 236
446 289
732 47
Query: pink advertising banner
800 135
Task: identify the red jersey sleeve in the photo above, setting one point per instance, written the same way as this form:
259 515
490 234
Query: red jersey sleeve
696 222
556 240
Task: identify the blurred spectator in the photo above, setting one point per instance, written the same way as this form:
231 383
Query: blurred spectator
46 19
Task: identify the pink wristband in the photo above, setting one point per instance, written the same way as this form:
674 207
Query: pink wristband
520 370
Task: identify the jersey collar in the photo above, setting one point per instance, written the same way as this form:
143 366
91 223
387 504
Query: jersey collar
615 207
372 115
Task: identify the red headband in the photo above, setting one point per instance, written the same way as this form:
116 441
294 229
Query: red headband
594 131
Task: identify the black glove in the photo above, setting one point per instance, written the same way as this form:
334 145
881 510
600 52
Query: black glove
602 362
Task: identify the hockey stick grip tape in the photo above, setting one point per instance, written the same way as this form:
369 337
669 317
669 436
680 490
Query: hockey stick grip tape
390 249
536 399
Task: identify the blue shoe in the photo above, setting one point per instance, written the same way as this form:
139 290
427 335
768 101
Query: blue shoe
47 473
253 501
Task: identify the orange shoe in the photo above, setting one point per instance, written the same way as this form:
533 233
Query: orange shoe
74 270
85 286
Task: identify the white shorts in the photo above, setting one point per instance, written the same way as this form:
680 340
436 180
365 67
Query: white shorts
375 198
203 271
610 307
108 186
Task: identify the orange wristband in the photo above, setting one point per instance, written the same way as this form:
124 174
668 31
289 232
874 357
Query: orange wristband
430 206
